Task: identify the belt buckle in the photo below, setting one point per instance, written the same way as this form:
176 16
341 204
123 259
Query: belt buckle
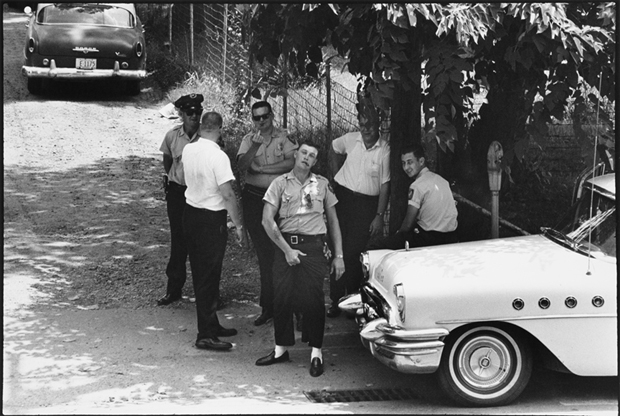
294 239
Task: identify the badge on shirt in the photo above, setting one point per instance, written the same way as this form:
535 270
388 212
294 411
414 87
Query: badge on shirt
410 194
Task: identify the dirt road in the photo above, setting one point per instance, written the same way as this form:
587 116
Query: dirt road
85 246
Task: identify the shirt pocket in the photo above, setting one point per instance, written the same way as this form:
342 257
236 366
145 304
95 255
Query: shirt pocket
286 205
375 170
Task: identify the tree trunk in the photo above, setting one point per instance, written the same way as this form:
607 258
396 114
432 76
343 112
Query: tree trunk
405 128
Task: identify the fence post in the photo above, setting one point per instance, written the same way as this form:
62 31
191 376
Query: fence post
170 28
225 43
328 93
191 34
285 103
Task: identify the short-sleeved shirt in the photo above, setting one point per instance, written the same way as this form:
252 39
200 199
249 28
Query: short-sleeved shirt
275 151
431 194
206 168
173 145
364 170
301 206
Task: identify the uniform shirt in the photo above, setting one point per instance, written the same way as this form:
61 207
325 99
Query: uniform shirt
276 150
173 145
206 168
364 170
431 194
301 206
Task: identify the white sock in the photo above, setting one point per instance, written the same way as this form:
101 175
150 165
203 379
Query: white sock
280 350
316 353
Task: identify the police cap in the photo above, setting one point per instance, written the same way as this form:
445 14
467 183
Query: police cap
189 101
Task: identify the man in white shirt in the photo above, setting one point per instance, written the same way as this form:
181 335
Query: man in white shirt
431 217
362 189
209 198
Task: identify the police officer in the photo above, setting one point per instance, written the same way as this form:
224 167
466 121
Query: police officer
300 265
431 217
263 155
209 199
190 110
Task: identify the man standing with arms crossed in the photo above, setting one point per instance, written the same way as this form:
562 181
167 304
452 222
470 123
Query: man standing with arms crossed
263 156
362 188
190 108
209 198
300 265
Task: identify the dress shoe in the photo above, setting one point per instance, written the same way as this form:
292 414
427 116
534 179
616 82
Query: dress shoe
263 318
168 299
271 358
213 344
333 311
316 367
226 332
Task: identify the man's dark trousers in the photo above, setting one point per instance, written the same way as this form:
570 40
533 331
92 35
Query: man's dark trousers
176 269
355 214
252 200
300 288
206 237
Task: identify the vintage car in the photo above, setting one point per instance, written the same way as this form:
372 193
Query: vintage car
482 314
84 41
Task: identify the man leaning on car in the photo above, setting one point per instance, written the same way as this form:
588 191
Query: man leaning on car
431 217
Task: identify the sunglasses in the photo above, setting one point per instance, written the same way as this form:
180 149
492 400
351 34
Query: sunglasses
192 111
263 117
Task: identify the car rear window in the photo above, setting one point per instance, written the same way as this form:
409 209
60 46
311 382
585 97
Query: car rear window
86 14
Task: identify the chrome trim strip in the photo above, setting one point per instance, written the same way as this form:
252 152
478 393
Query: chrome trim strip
523 318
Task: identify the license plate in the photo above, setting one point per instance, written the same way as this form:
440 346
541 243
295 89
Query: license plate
84 63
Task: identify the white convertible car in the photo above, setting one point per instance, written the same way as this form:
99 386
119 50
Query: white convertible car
482 314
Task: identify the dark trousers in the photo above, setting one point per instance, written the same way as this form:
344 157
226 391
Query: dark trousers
355 214
417 237
300 287
176 269
252 200
206 236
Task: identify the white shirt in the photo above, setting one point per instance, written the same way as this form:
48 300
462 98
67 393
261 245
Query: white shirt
431 194
364 170
206 167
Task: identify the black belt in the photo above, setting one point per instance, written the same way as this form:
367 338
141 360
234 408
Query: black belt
356 194
303 238
254 190
175 185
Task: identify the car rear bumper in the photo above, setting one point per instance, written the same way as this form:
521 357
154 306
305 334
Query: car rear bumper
414 352
72 73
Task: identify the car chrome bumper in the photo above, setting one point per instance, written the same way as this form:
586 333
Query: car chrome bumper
73 73
414 352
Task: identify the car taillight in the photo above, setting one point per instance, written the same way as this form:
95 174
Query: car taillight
31 45
139 49
399 292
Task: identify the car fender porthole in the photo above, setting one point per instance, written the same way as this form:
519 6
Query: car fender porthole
598 301
570 302
518 304
544 303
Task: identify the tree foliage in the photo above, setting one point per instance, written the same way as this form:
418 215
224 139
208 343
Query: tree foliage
534 61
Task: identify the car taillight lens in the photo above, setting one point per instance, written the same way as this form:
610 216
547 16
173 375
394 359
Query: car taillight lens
139 49
399 292
31 45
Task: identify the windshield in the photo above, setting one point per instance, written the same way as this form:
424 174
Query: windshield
86 14
599 229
